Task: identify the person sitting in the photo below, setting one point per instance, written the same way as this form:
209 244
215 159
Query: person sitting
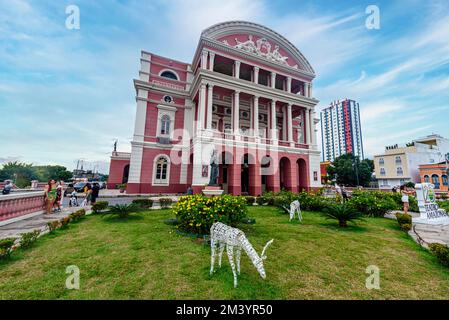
7 188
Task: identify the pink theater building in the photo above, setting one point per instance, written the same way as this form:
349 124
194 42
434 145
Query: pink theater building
247 95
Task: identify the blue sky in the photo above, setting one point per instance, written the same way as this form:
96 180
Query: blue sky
67 94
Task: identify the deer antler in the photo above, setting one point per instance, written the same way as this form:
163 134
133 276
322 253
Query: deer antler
263 256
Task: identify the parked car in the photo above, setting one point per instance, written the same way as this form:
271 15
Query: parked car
79 187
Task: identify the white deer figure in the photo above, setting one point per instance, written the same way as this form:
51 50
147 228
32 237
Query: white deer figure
295 207
222 235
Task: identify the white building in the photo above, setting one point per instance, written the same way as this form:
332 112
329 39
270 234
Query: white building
400 164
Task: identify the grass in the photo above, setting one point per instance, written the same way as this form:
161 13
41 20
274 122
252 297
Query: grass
143 258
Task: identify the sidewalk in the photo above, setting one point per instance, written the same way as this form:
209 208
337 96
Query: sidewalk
13 230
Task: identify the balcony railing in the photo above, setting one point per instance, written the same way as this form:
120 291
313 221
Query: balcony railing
167 85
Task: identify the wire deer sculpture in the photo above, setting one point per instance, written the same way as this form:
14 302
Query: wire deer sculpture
222 235
295 207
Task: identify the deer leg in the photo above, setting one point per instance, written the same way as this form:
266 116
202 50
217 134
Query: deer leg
230 250
212 255
222 246
237 258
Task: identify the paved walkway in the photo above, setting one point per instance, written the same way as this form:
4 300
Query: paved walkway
13 230
424 234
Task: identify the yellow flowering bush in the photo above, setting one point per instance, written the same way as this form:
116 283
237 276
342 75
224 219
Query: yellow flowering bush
197 213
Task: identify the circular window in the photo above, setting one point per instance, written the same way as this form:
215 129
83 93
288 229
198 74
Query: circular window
168 99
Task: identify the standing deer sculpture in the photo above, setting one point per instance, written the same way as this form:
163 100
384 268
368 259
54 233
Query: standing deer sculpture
222 235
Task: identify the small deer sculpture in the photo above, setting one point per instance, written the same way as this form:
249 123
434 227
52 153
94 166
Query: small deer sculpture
222 235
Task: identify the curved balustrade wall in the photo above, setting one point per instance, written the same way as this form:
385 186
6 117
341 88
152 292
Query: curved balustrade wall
17 205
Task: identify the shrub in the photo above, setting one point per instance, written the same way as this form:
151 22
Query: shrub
313 202
197 213
143 203
53 225
65 221
99 206
6 247
343 213
406 227
122 186
403 218
122 210
250 200
444 205
373 203
260 200
27 239
75 216
441 252
165 202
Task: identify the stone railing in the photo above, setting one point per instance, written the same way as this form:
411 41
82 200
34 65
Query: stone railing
15 205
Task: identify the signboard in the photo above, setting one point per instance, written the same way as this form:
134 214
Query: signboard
428 207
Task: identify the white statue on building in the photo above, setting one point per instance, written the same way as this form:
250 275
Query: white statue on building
222 235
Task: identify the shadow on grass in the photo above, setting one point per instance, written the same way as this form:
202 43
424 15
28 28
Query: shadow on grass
352 227
110 218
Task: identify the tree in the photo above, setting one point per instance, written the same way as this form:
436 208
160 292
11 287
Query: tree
349 170
20 173
52 172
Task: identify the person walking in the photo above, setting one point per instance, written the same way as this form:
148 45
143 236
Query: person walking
95 193
50 195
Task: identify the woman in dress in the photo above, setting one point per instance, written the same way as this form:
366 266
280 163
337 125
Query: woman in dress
50 195
58 201
405 192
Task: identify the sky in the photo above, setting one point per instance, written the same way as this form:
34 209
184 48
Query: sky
67 94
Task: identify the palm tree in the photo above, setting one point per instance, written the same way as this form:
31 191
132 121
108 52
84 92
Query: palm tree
122 210
343 213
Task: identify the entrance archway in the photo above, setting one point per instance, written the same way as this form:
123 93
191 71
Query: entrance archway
125 174
302 175
284 173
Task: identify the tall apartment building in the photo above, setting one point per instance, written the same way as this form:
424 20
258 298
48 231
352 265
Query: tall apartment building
400 164
341 131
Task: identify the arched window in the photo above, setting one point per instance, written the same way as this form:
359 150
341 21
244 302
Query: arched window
169 75
398 160
436 181
382 171
399 171
165 124
381 161
445 180
426 178
161 170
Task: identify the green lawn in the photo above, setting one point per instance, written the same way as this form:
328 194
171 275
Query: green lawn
143 258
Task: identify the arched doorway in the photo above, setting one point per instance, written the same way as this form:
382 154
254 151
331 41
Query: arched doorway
245 174
302 174
225 160
125 174
285 173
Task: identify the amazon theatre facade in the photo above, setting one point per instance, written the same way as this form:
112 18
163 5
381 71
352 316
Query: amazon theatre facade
246 95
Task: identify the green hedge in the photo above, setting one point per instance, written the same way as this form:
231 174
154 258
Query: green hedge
143 203
99 206
441 252
165 202
197 213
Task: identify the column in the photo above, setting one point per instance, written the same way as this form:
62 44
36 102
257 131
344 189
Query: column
307 129
236 113
255 183
289 123
204 59
273 126
310 90
237 69
273 79
201 107
289 84
256 74
312 127
256 117
211 61
306 89
284 123
210 95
